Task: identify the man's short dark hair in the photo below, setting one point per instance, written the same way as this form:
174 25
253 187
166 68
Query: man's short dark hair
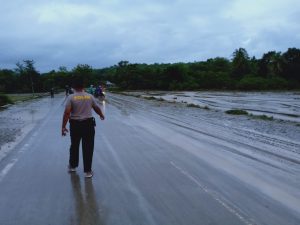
77 81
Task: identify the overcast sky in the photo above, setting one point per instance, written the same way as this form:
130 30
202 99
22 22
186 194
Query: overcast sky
101 33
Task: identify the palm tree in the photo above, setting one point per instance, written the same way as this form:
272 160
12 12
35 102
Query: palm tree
240 63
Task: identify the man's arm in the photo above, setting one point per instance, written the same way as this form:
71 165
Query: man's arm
66 117
98 111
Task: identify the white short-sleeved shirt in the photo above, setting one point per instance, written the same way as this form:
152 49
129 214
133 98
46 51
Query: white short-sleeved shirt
81 105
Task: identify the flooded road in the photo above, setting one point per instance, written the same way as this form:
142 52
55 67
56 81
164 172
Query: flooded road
156 163
280 105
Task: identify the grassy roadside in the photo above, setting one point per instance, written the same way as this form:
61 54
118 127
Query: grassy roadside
21 97
6 99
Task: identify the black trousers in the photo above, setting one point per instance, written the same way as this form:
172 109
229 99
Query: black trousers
82 131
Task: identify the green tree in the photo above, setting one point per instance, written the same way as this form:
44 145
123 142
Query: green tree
48 80
291 64
29 76
240 63
122 74
218 64
270 64
175 75
63 69
8 81
86 71
251 82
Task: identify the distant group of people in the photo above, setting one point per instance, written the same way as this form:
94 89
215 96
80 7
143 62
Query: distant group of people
68 91
97 91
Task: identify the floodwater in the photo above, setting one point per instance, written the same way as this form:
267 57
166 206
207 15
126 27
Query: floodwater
18 120
155 163
280 105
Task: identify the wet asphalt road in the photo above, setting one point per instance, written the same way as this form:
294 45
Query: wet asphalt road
148 170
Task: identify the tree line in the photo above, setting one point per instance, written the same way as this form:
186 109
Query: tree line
275 70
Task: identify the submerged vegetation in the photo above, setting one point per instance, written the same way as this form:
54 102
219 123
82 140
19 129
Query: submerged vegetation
193 105
262 117
274 71
237 112
243 112
198 106
149 97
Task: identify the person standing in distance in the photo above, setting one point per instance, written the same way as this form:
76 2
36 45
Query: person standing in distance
78 111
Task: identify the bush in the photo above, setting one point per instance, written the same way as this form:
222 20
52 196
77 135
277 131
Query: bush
4 100
250 82
293 84
263 117
149 98
277 83
237 112
193 105
215 80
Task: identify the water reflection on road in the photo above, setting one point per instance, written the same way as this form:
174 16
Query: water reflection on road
87 211
103 106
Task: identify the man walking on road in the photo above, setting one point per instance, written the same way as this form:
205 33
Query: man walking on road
78 112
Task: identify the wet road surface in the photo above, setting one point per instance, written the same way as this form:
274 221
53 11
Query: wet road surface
153 164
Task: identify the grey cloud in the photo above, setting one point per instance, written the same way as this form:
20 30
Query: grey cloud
101 33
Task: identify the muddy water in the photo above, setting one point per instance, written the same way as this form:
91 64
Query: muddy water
156 163
17 120
280 105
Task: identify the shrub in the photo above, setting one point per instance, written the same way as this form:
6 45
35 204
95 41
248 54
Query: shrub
193 105
149 98
277 83
250 82
263 117
5 100
237 112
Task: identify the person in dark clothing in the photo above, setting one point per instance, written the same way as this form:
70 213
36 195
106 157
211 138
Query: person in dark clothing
67 90
71 91
52 92
78 111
